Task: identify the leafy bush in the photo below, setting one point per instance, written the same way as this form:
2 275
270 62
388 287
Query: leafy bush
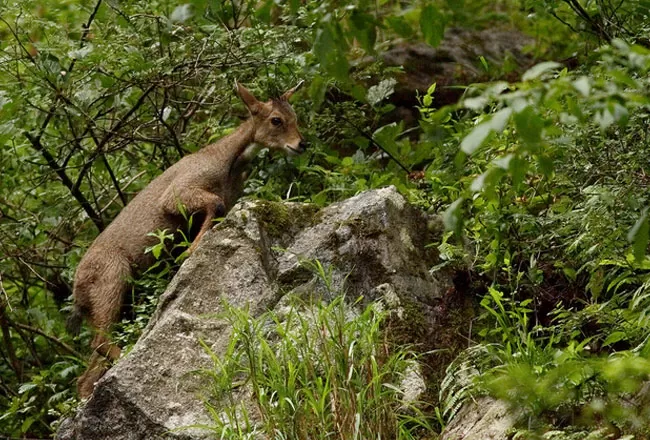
169 253
552 376
605 19
553 198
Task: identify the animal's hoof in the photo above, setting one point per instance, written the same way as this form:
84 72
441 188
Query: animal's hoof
86 383
221 210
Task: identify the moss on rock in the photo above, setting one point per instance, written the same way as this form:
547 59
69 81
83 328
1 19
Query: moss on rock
279 218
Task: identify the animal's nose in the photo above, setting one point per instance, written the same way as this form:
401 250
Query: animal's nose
303 145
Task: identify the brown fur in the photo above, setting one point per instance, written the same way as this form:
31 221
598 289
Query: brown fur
207 182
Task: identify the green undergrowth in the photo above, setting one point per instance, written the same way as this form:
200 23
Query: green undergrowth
556 378
168 251
317 371
556 214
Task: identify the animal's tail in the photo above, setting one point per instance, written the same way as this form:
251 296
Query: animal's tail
73 324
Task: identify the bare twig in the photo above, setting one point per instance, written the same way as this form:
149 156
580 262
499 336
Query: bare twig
4 292
363 133
51 338
133 179
123 120
99 151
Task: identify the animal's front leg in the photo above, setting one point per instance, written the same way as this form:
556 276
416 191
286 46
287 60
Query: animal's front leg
195 200
215 208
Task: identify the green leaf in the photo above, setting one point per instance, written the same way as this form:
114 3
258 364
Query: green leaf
358 92
363 28
479 182
476 103
293 6
570 273
181 13
500 119
476 138
385 135
317 90
263 13
613 338
27 423
26 387
583 85
619 113
604 119
639 235
486 180
432 24
503 162
381 91
400 26
625 79
529 126
545 163
166 112
484 63
452 217
81 52
540 69
361 142
156 250
330 50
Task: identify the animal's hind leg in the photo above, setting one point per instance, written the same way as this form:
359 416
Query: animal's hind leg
107 304
108 287
97 366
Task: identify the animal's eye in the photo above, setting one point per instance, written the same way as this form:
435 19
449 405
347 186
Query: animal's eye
276 121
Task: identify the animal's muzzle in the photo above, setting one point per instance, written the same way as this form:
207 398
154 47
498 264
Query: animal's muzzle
303 145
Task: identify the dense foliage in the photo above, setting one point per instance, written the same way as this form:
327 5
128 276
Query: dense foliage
541 177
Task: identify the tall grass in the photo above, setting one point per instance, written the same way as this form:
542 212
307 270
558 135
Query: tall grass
313 371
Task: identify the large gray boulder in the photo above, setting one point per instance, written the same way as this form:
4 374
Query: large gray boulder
374 242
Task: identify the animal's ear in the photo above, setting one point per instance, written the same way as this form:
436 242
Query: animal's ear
251 101
290 92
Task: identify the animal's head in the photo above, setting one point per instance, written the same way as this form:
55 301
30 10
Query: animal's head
276 126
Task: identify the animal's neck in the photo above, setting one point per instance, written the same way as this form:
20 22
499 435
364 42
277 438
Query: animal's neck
236 142
233 149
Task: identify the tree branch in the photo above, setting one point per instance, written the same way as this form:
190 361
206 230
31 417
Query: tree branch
65 179
53 339
363 133
15 363
35 140
123 120
105 139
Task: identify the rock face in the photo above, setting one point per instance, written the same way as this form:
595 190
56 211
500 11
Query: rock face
374 243
456 62
484 419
